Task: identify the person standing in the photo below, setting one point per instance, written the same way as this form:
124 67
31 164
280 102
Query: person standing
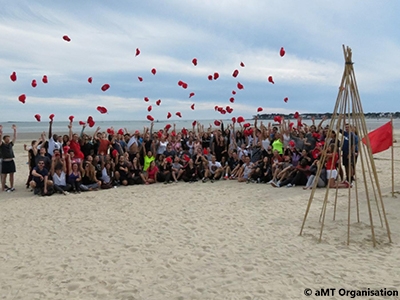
7 155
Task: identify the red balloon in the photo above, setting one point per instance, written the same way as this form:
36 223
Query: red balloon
82 123
51 117
240 119
149 108
158 102
242 64
33 83
296 115
286 99
217 123
169 115
168 126
13 76
110 131
137 51
90 79
223 111
179 114
184 85
191 95
194 123
240 86
140 78
259 109
278 119
66 38
90 121
153 71
233 92
233 120
146 99
44 79
246 125
270 79
37 117
194 61
282 52
22 98
71 118
192 106
235 73
180 82
105 87
216 76
229 109
232 99
210 77
150 118
102 109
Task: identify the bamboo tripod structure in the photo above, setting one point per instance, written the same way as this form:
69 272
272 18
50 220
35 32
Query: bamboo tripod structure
348 110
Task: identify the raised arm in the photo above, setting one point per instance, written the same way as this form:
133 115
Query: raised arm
70 131
50 129
1 134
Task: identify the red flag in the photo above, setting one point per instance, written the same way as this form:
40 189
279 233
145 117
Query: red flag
381 138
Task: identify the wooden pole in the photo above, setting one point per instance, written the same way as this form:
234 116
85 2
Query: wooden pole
392 150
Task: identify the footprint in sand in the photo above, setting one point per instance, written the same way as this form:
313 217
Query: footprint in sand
248 268
73 286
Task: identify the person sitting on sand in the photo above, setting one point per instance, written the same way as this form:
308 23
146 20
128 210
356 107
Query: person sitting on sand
58 172
151 174
89 181
74 176
247 170
106 166
190 174
121 171
136 172
321 179
177 169
214 171
40 182
263 171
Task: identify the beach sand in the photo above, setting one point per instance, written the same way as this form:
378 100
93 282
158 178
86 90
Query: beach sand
222 240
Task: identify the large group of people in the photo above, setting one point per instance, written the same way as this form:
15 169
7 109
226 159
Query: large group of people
277 154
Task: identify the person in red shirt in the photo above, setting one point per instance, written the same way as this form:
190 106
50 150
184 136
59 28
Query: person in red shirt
74 143
151 173
331 172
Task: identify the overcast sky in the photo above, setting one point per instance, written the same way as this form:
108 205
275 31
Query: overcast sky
220 34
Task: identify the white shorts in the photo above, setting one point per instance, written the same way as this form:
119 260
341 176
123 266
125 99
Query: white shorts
331 174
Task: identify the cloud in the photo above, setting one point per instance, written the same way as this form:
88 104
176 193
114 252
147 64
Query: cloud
220 34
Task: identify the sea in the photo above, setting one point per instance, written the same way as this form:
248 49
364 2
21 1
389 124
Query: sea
31 128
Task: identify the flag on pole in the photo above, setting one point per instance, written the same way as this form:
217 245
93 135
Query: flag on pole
381 138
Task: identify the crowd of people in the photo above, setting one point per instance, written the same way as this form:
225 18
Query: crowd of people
277 154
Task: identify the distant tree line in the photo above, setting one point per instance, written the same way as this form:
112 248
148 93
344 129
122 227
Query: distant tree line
371 115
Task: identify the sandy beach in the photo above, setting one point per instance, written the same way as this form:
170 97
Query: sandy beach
222 240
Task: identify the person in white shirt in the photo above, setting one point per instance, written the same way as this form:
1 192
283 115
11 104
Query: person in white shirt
58 172
214 171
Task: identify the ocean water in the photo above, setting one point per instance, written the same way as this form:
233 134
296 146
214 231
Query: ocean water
61 127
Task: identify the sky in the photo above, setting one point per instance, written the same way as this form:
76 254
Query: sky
220 34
